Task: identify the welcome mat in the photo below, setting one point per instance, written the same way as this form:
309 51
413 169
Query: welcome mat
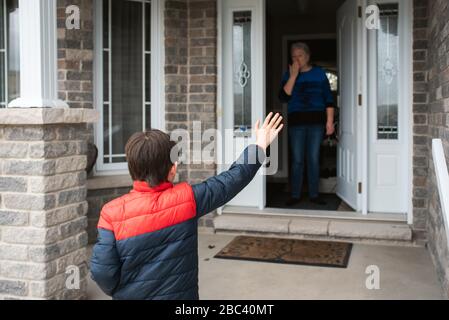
288 251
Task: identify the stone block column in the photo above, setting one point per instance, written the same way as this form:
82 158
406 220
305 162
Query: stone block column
43 159
43 203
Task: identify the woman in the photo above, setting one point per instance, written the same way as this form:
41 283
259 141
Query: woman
307 90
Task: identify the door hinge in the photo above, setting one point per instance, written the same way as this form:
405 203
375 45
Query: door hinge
360 100
360 11
360 188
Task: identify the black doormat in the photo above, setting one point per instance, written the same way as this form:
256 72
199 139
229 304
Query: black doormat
288 251
276 198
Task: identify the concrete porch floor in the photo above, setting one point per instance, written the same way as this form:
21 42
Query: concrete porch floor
405 273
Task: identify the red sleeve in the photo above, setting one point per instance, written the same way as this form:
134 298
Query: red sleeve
105 221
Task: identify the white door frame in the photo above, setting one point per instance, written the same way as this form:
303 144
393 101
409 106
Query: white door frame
258 81
405 98
408 87
363 142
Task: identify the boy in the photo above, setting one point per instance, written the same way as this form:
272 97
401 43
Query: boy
147 239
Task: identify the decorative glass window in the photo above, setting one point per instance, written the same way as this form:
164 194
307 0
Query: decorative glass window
242 71
9 52
125 64
388 72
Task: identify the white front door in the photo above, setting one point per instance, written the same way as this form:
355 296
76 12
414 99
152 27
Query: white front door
350 49
390 76
243 86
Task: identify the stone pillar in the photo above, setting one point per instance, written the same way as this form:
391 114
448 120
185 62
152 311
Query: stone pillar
43 204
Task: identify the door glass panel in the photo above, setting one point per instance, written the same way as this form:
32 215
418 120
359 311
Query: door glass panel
242 71
387 73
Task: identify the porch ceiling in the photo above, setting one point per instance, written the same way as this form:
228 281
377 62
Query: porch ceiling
303 8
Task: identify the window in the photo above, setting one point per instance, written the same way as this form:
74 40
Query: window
242 71
388 72
9 51
124 83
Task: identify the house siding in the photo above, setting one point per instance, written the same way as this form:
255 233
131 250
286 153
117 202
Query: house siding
421 150
191 75
75 59
438 121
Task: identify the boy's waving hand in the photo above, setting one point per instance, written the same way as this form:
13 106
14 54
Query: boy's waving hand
269 131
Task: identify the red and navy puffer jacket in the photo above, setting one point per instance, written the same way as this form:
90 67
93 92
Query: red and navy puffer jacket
147 246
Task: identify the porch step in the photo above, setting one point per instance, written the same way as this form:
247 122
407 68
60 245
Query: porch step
315 228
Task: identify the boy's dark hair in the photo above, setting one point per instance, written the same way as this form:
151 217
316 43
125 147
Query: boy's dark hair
148 155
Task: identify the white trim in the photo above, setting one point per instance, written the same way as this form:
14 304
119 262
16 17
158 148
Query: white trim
405 111
363 119
408 99
158 63
316 214
38 71
110 70
5 39
442 177
220 118
258 105
144 59
157 80
97 75
263 22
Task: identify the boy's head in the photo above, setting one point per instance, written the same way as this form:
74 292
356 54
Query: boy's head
149 157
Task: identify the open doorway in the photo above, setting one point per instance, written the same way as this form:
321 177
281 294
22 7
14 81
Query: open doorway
314 23
371 79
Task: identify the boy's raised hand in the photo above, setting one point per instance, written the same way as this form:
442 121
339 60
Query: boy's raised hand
269 131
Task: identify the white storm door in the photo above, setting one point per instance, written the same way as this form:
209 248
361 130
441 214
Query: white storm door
242 87
389 51
350 49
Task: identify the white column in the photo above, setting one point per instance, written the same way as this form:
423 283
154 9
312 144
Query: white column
38 55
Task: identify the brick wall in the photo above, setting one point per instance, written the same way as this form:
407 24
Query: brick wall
420 119
438 117
191 74
75 59
75 79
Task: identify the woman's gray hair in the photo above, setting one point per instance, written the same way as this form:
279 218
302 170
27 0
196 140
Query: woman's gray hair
301 46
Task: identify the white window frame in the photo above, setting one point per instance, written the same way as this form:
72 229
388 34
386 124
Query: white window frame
157 80
6 37
3 104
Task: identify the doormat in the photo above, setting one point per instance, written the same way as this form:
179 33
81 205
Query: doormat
288 251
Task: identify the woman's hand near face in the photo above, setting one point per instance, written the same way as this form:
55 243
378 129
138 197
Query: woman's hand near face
294 70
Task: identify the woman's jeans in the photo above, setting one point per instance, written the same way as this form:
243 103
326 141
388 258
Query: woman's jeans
305 143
